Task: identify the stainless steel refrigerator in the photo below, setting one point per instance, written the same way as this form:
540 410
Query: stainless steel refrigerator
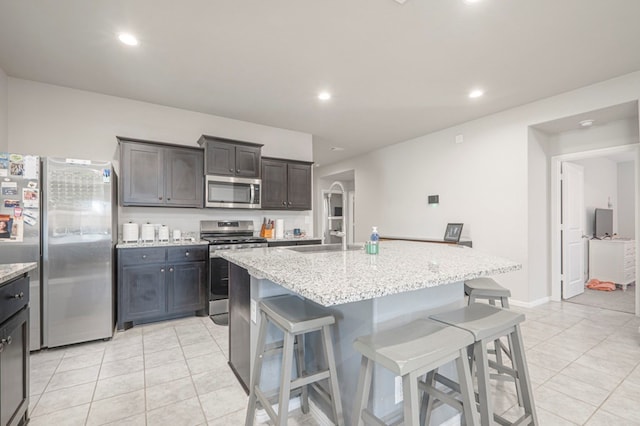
79 231
20 224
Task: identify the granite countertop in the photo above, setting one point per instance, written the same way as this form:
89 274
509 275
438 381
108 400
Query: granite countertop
162 244
9 271
333 278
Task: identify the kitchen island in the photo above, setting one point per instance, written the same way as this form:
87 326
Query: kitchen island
365 292
14 342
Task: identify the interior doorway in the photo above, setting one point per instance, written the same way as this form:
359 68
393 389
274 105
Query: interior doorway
596 160
336 212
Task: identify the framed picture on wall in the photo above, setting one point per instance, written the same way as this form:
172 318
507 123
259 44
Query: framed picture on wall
453 232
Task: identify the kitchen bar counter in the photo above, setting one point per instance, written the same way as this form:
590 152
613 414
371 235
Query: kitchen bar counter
305 238
163 244
9 271
366 293
337 277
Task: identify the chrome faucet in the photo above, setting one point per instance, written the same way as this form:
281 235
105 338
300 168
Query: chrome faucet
342 234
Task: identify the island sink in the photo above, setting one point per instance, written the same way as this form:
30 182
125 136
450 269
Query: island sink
324 248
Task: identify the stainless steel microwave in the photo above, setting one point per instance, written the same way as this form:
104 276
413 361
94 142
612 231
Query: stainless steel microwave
232 192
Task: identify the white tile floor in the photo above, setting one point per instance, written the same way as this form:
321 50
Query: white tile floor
584 363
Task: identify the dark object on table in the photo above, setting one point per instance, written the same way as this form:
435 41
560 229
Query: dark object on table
453 232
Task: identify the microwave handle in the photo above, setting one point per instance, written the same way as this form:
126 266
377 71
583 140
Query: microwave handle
252 194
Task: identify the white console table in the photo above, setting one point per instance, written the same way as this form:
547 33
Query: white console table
613 260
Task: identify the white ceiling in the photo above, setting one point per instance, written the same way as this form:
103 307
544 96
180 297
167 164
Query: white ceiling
395 71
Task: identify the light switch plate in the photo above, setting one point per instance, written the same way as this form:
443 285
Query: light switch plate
398 393
254 311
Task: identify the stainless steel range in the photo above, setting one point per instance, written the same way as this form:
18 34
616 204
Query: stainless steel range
225 235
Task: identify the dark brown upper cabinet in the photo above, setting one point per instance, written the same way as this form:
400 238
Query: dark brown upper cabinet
157 174
286 184
226 157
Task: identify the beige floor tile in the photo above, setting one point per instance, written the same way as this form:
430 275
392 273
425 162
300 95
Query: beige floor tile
604 418
67 417
166 373
169 393
223 401
614 369
183 413
38 383
43 367
117 385
155 359
73 377
590 375
624 401
125 366
548 418
137 420
192 338
539 374
634 377
562 405
205 346
202 364
116 408
85 348
554 350
545 360
213 380
47 355
232 419
64 398
121 352
586 392
156 344
77 362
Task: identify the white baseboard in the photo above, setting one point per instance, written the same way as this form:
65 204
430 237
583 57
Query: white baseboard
533 304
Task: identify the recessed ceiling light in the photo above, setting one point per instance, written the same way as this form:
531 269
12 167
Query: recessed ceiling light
471 1
128 39
476 93
586 123
337 148
324 96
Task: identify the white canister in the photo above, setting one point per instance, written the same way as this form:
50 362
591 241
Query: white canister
177 235
130 232
163 233
279 229
148 232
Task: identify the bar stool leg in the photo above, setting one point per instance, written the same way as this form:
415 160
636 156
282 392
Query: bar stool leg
466 389
362 393
427 402
520 361
285 380
484 389
411 400
336 403
257 370
300 369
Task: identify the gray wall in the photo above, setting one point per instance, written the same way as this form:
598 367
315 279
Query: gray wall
4 108
51 120
626 200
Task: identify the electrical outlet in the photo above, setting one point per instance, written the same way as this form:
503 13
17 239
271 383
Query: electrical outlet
254 311
398 393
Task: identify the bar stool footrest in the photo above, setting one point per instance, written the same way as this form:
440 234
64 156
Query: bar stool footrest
370 419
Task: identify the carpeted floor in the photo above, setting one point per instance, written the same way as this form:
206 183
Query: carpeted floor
618 300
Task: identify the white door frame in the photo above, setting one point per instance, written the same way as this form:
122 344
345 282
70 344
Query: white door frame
556 203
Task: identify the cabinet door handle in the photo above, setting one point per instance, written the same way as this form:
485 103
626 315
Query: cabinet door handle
159 198
289 202
19 295
284 203
237 170
6 341
170 269
144 256
231 170
161 269
168 199
186 253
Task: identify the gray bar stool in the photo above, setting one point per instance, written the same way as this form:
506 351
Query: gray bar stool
411 351
489 289
488 323
295 317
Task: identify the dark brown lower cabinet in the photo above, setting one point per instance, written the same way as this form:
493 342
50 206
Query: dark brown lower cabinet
161 283
14 354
